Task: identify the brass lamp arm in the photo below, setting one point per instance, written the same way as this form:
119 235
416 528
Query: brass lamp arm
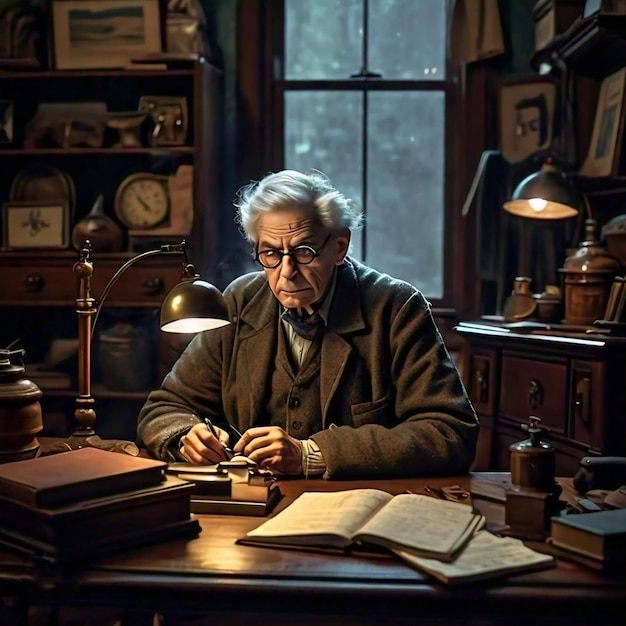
164 249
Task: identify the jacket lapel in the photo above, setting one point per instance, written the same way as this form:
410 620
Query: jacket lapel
258 336
343 319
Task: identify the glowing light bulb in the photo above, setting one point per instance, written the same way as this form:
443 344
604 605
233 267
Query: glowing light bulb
537 204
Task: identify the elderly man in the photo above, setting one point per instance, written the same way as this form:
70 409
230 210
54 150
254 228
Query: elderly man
328 367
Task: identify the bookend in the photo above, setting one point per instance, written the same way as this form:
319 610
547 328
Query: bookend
230 488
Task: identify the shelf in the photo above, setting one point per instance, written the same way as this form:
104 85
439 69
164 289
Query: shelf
54 74
96 151
594 47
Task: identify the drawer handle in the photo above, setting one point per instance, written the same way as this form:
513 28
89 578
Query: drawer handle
152 286
535 394
582 400
34 283
481 379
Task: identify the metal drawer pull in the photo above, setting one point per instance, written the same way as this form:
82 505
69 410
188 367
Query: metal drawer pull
535 394
152 286
481 379
34 283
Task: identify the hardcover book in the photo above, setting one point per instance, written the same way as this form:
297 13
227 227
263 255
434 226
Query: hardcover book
600 535
98 526
421 525
66 477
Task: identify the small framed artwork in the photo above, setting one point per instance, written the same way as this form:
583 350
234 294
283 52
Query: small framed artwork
169 115
608 126
35 225
99 34
6 121
526 116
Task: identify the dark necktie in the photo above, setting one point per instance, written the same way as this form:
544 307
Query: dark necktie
306 327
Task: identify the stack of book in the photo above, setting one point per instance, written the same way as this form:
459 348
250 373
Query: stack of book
445 540
76 505
596 539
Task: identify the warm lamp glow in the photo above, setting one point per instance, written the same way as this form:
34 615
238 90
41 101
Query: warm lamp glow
547 195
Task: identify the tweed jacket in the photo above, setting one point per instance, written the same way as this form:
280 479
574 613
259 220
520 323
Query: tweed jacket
392 402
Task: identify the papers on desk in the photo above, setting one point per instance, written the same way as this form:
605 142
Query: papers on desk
485 556
440 538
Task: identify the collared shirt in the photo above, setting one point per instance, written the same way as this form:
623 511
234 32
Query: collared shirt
313 463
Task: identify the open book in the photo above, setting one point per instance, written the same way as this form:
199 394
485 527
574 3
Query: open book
485 556
418 524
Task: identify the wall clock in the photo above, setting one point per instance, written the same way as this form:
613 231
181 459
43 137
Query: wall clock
142 201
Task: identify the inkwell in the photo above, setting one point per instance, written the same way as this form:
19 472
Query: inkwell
534 495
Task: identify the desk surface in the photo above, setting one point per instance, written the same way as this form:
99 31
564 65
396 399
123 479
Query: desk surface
211 571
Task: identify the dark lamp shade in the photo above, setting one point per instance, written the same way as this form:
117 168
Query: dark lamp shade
545 195
193 306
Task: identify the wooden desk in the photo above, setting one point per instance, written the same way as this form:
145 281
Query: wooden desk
237 584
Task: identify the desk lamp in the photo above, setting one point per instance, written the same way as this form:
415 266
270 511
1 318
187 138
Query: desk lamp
544 195
191 306
547 195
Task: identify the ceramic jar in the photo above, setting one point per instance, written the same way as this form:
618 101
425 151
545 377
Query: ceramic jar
20 410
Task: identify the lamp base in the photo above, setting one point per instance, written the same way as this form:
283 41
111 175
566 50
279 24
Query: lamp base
79 440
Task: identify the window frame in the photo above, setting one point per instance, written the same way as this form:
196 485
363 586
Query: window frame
261 27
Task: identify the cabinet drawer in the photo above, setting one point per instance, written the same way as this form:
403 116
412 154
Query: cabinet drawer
530 387
53 283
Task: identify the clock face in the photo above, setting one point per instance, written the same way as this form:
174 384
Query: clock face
142 201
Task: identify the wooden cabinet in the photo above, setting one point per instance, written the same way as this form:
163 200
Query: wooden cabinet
37 286
570 381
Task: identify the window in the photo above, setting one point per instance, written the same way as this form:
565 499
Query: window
362 92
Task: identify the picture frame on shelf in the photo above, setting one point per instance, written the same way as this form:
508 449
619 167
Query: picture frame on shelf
104 34
526 115
22 24
608 127
6 122
35 225
170 118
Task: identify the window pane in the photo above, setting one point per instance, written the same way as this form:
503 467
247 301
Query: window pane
323 39
407 39
405 184
323 131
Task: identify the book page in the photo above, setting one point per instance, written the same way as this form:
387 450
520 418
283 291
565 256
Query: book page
317 513
484 556
422 523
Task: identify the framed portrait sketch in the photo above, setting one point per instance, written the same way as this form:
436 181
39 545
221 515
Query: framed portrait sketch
35 225
99 34
603 155
526 116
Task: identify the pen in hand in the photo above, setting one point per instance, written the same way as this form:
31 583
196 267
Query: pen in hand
229 453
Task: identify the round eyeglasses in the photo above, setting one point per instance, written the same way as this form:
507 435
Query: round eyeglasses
302 255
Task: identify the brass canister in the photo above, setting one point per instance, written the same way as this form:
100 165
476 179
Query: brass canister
589 274
533 460
20 410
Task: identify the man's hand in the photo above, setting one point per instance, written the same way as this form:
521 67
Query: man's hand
272 448
199 446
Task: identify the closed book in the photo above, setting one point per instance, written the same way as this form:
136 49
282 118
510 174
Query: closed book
600 535
101 525
68 477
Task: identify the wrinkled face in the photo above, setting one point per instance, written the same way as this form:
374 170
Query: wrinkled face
293 284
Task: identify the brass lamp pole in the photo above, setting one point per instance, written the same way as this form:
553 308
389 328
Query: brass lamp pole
191 306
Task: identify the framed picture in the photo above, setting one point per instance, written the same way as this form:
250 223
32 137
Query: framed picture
603 155
169 115
35 225
98 34
526 116
6 121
